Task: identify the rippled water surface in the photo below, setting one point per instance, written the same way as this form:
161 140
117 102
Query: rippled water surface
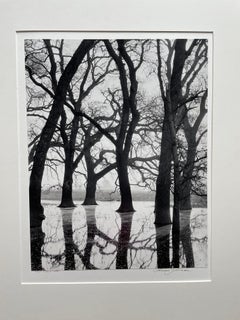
97 237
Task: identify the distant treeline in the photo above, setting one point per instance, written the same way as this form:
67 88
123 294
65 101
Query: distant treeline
107 195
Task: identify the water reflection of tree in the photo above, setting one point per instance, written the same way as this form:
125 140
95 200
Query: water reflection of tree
120 250
52 244
163 246
37 240
159 243
91 232
123 240
68 238
185 237
86 230
97 247
125 245
53 247
182 242
179 246
43 240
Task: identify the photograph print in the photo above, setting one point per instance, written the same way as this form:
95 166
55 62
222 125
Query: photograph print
117 135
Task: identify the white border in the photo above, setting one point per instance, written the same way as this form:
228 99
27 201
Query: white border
98 276
215 300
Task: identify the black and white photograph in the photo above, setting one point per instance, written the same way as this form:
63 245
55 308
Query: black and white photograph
119 160
118 145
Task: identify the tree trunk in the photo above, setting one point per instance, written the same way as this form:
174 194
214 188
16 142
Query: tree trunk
125 190
186 196
126 128
186 184
67 200
90 197
162 197
171 99
91 178
36 210
177 180
69 149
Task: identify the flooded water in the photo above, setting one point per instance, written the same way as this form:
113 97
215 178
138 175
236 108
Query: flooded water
97 237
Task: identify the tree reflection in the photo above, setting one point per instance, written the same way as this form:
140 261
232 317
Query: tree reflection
181 249
37 240
175 238
91 232
185 238
94 237
123 240
187 246
117 245
53 249
68 238
163 246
